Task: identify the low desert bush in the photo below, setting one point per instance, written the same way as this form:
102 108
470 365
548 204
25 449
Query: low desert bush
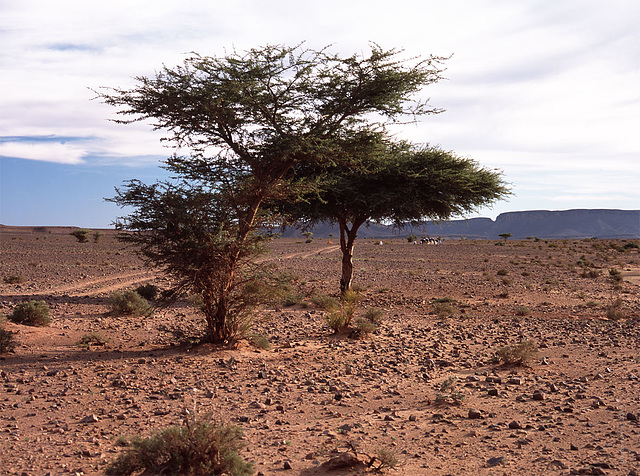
339 318
518 354
92 338
448 394
129 303
32 313
523 311
7 339
260 341
615 311
148 291
502 272
199 447
81 235
13 279
369 321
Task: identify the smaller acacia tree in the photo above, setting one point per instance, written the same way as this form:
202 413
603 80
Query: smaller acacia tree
393 182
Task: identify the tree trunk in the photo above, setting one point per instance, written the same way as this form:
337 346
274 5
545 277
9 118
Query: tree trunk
347 240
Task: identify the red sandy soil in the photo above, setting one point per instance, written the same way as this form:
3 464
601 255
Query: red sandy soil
313 395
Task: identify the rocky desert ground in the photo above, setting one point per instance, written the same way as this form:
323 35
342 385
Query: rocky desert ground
425 389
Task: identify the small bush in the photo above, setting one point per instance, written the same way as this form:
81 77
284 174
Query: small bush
519 354
324 302
615 311
7 339
412 238
129 303
13 279
523 311
92 338
447 394
148 291
81 235
32 313
339 318
196 448
260 341
502 272
387 459
443 309
615 276
369 321
96 236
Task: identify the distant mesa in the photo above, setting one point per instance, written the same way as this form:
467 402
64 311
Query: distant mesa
580 223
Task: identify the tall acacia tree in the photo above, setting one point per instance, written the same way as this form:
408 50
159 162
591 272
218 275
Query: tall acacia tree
392 182
246 119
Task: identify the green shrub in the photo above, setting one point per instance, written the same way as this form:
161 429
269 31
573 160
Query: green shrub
92 338
129 303
324 302
502 272
615 311
519 354
32 313
259 341
81 235
443 307
411 238
13 279
7 340
148 291
339 318
369 321
196 448
523 311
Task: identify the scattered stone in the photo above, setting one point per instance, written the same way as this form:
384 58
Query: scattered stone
538 395
90 419
342 461
474 414
632 416
492 392
287 465
496 460
515 425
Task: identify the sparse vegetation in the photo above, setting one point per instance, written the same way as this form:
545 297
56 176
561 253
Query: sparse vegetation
148 291
447 393
7 338
129 303
615 311
13 279
199 447
92 338
81 235
32 313
518 354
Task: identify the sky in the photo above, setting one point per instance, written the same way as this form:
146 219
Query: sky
548 92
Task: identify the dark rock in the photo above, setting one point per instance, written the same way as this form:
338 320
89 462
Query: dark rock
515 425
342 461
474 414
538 395
496 460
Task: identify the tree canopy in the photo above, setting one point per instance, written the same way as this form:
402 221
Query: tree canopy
393 183
245 120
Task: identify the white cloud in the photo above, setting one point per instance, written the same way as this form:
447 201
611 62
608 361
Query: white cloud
48 152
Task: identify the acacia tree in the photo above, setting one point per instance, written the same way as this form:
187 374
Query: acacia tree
393 182
246 120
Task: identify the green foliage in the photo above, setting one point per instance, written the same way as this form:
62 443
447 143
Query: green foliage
197 448
92 338
81 235
259 341
245 120
148 291
518 354
390 182
340 318
523 311
412 238
32 313
387 458
129 303
505 236
369 321
7 339
97 235
615 311
447 393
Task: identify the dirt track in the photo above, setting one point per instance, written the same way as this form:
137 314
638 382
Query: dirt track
62 407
